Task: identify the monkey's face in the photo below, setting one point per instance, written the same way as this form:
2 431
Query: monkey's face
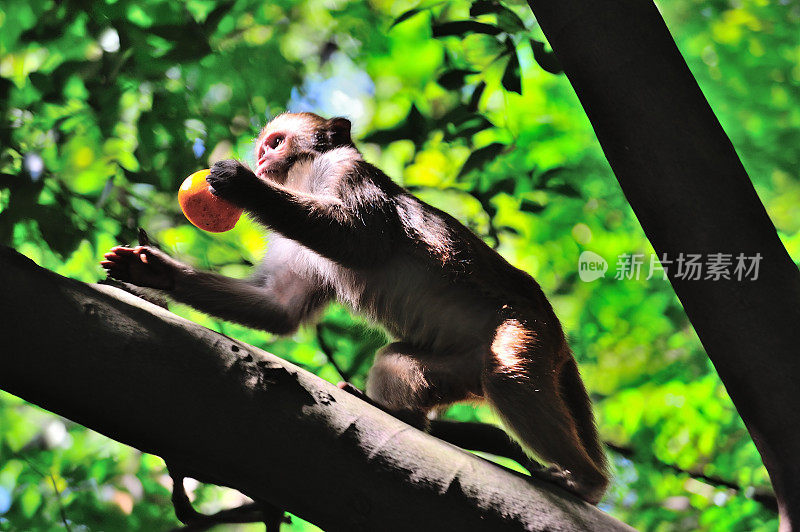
292 137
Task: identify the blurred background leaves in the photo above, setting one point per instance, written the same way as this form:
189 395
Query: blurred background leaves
107 105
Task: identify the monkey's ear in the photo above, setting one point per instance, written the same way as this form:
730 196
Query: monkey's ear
339 132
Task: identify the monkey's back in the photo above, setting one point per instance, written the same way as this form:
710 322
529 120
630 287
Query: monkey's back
444 288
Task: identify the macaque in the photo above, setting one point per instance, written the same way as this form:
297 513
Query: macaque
467 325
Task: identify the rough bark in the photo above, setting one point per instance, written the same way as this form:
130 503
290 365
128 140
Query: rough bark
691 194
237 416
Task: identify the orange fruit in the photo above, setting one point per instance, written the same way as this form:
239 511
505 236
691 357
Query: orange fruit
204 209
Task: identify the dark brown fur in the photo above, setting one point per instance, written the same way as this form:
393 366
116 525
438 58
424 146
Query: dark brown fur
468 325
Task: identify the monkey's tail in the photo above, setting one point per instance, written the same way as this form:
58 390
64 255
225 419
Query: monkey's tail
550 412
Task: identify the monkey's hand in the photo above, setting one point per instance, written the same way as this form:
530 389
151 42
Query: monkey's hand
233 182
142 266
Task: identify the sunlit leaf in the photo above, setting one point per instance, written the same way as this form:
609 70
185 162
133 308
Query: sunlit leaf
478 158
405 16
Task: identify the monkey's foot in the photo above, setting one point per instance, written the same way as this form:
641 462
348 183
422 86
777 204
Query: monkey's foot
416 419
590 492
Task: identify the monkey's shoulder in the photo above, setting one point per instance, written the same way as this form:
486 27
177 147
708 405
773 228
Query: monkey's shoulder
462 257
440 235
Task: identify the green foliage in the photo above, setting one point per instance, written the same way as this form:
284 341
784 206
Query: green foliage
107 105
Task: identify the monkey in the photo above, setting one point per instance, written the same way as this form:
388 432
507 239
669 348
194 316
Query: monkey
466 325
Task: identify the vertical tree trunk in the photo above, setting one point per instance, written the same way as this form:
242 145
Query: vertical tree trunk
691 194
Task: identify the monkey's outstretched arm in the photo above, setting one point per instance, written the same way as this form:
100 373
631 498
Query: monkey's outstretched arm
278 304
276 300
356 230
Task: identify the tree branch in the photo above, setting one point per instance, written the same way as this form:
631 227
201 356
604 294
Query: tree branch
692 195
494 440
228 413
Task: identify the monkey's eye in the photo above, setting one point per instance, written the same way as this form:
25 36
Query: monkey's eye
275 140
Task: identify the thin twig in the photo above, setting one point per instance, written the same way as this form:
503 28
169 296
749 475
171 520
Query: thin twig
762 496
61 509
62 512
328 350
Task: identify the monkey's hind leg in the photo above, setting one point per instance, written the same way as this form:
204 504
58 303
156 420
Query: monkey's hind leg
408 383
540 397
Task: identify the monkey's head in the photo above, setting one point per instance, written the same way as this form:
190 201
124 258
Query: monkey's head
291 137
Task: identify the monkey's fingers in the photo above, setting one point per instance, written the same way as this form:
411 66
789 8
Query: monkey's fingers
112 256
122 253
123 250
151 256
144 254
127 252
232 181
116 258
117 263
110 261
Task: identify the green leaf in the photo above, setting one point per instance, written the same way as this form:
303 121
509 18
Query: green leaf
506 19
213 18
546 60
484 7
405 16
462 27
30 500
505 185
531 206
454 79
508 229
478 158
475 99
512 81
57 229
565 189
463 122
467 128
544 178
414 127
